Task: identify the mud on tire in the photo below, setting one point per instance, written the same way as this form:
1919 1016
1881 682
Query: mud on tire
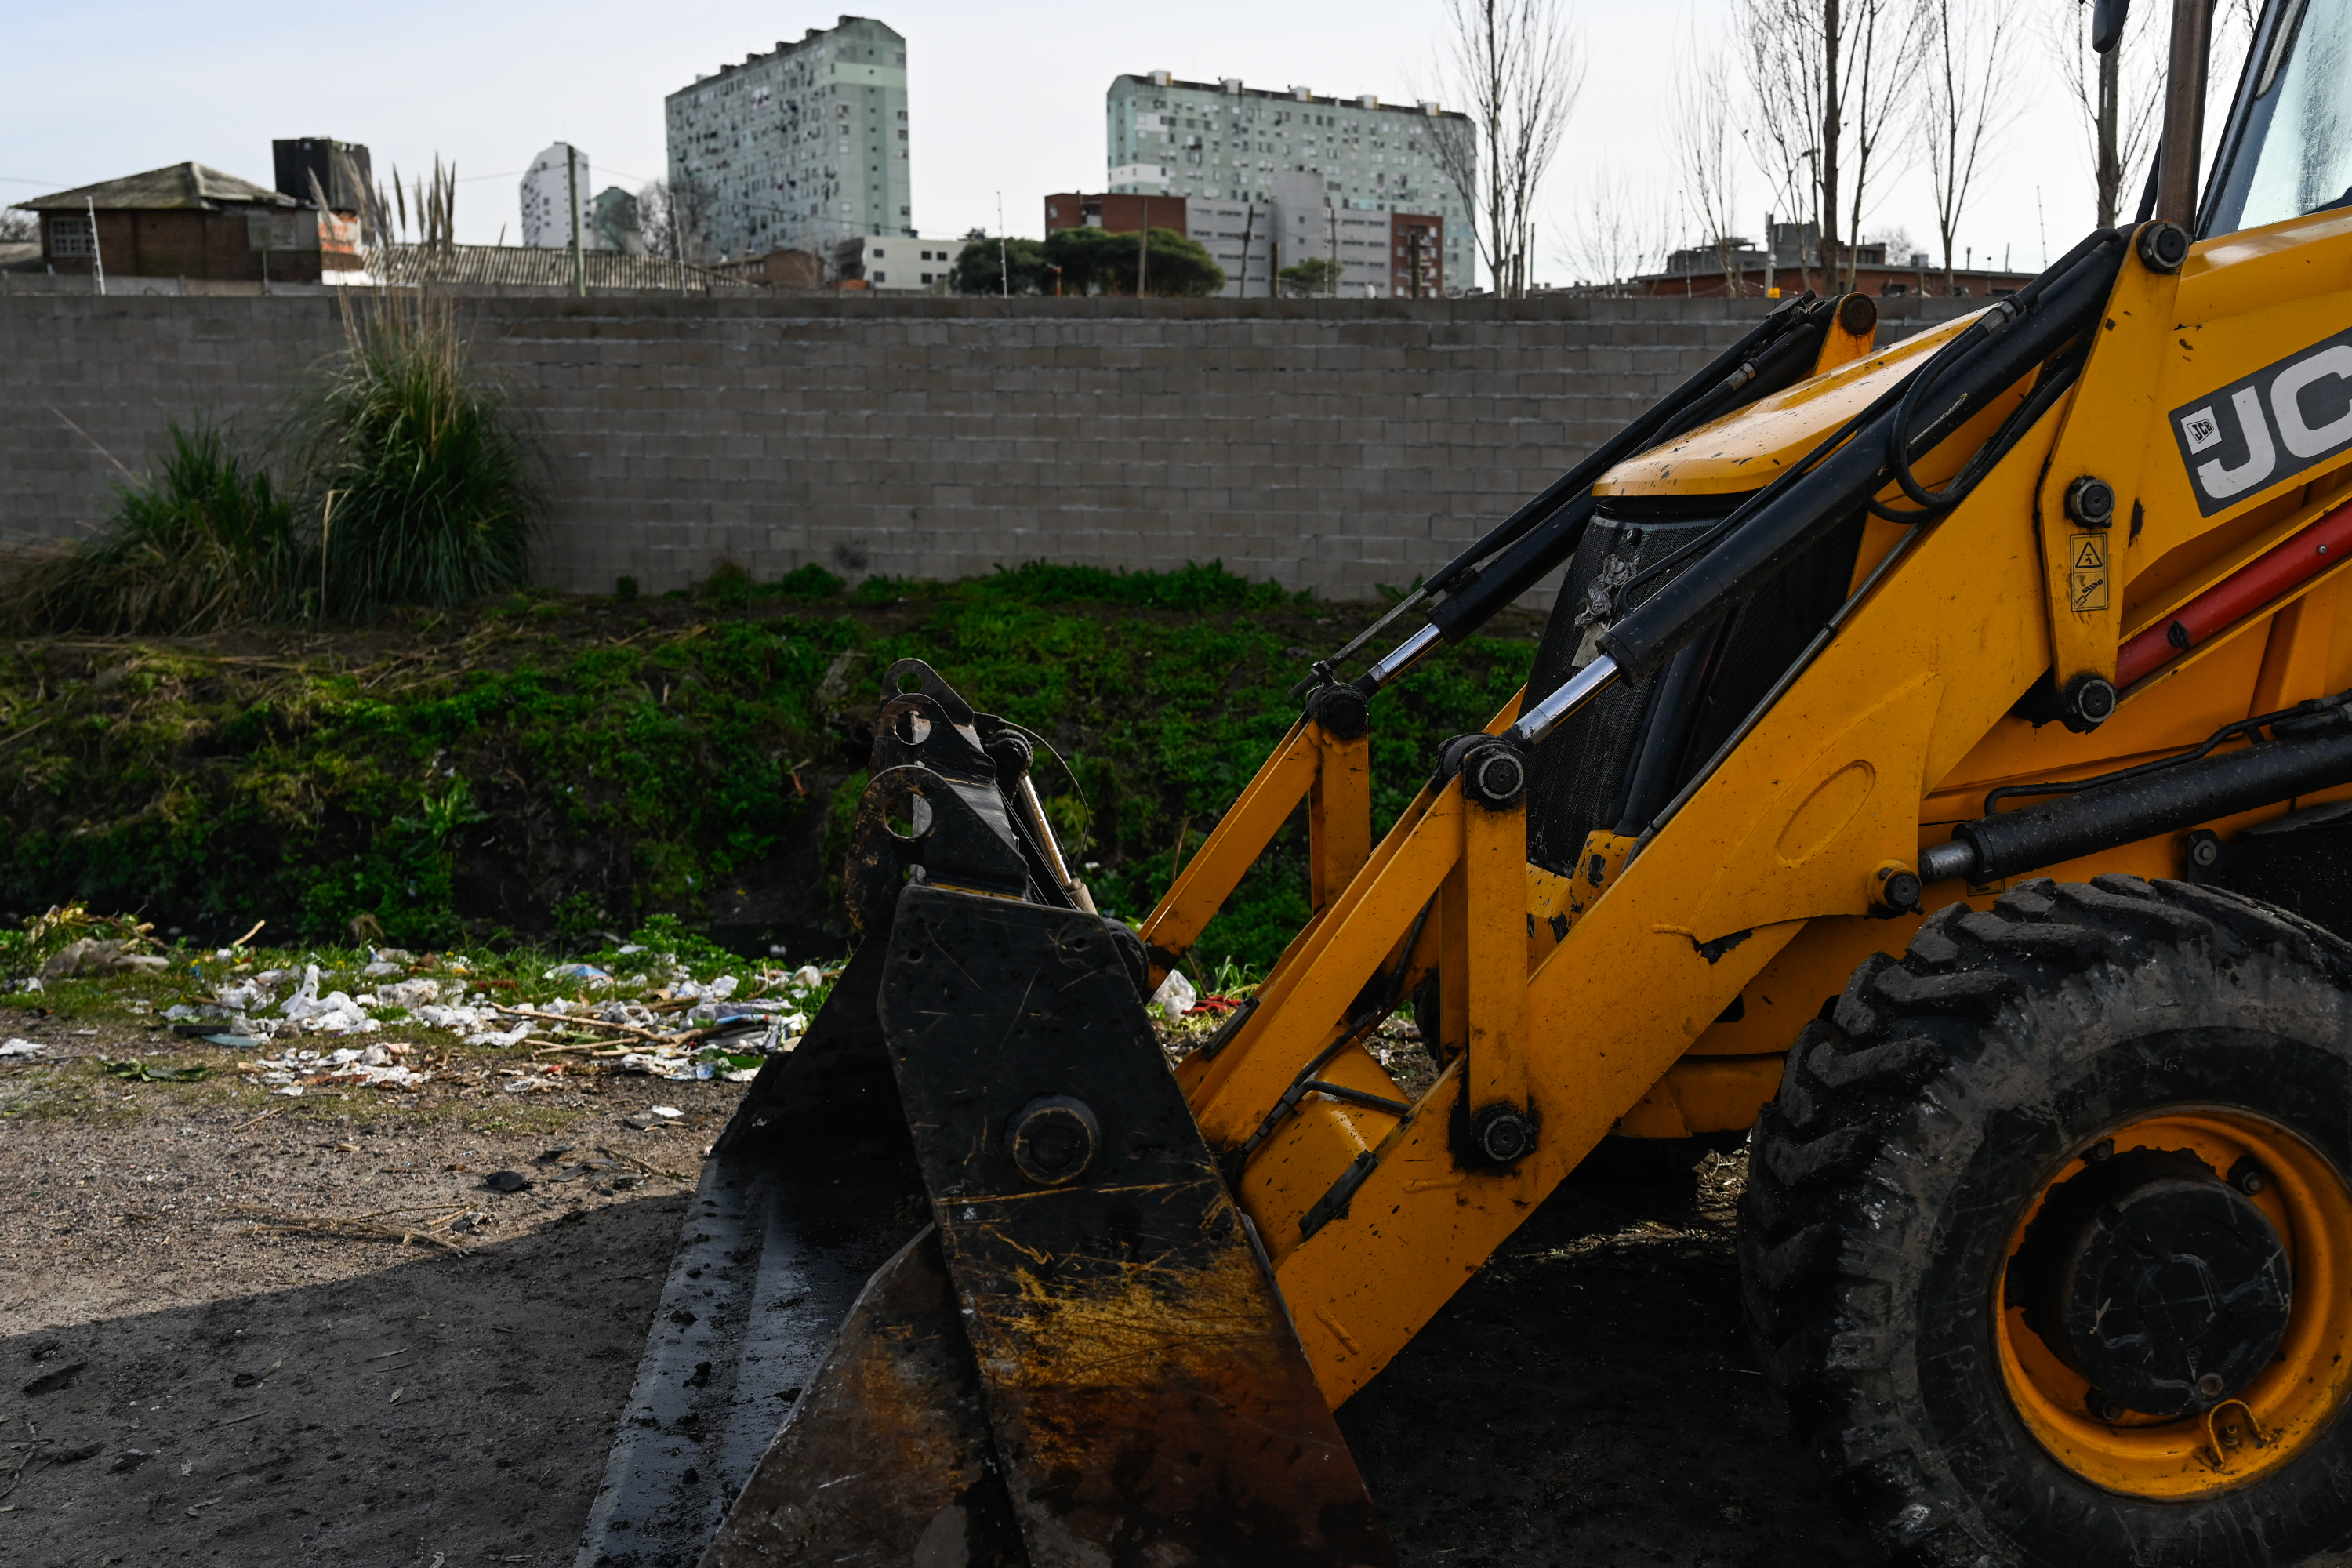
1921 1114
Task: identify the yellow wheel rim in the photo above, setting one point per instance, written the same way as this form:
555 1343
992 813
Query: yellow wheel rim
2287 1406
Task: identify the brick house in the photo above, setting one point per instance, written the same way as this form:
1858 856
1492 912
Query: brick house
188 220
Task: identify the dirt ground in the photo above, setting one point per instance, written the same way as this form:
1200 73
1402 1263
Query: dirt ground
179 1384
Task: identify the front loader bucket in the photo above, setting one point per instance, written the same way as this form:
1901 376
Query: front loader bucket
810 1189
961 1284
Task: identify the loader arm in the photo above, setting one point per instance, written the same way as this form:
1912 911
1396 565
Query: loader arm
1375 1217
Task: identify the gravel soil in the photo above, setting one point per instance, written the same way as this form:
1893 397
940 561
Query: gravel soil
181 1382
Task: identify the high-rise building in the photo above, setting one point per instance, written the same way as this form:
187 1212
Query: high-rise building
1378 254
1222 141
798 148
554 189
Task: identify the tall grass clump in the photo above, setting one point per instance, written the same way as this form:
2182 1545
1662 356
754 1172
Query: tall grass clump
420 484
207 542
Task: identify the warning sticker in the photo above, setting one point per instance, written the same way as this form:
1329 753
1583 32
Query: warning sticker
2087 572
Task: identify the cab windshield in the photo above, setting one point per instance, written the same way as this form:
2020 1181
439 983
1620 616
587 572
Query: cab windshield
2288 147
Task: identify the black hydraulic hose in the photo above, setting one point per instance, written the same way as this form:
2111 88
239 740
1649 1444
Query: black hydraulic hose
1554 539
2131 809
1955 384
1547 529
1727 372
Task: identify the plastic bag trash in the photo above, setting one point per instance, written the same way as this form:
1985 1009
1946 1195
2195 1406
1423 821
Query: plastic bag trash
808 977
179 1010
502 1038
582 974
30 983
244 996
14 1046
1175 997
411 993
629 947
291 1091
380 968
506 1180
667 1112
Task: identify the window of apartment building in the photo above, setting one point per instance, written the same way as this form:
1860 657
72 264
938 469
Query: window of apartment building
71 237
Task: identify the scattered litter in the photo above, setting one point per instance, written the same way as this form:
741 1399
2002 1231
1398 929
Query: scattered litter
14 1046
670 1112
580 973
506 1180
244 996
1175 997
128 1460
30 983
372 1064
334 1014
409 993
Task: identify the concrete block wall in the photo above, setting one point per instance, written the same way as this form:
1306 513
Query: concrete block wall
1330 445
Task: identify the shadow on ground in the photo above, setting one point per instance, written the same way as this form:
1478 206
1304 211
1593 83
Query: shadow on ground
1586 1400
442 1409
1589 1400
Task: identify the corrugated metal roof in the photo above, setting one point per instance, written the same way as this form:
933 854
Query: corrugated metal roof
537 267
177 186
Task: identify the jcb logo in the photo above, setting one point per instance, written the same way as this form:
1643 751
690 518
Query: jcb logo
2272 426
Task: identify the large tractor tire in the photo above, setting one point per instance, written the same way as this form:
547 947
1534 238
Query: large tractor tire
2048 1240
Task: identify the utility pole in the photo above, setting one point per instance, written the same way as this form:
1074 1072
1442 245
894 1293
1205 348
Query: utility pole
1249 228
572 188
1142 248
1004 256
96 257
1771 290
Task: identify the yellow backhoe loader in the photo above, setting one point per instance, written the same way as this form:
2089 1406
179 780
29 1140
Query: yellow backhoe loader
1938 769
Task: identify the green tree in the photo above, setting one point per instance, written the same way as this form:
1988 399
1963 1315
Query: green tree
981 265
1316 275
1096 262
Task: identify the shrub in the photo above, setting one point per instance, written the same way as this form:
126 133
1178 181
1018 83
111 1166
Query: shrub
207 542
424 486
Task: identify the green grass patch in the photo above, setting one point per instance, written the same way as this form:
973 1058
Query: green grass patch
556 771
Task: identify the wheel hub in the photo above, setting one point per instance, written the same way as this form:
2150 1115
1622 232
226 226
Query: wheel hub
2158 1283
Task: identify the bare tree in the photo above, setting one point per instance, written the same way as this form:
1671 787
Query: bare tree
1514 65
1700 138
1783 64
18 224
1969 88
1832 78
675 217
2118 93
1620 229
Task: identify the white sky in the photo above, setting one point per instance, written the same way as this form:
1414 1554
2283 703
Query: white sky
1003 98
